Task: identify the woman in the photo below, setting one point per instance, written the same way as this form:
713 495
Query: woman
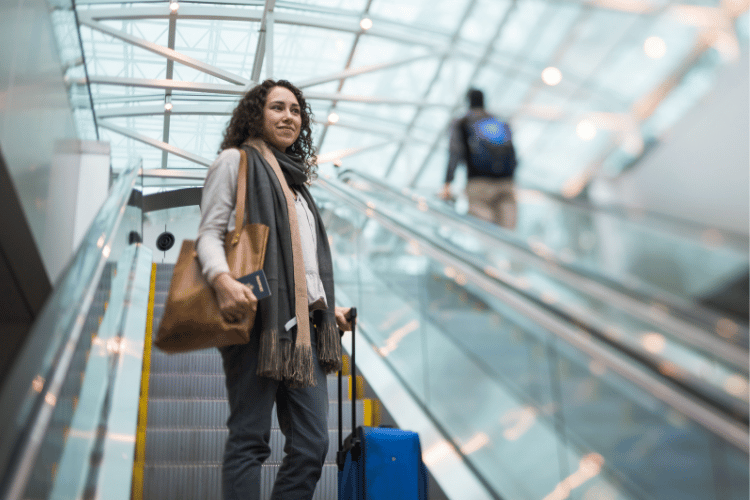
295 341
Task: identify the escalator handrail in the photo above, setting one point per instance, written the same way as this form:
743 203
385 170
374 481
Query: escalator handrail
710 414
666 222
28 398
675 302
623 296
652 360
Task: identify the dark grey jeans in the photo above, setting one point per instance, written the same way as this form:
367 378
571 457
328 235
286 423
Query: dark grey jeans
303 418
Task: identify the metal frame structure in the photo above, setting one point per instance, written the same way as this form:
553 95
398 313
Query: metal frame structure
437 47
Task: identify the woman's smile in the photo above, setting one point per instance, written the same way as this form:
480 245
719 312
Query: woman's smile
282 118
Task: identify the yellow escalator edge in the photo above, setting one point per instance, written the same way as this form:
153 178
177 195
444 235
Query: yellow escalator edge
140 440
345 364
372 407
360 387
367 412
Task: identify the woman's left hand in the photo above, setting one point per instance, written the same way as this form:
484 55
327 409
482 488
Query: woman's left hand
345 325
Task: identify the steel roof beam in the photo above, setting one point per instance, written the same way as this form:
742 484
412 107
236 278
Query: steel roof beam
173 173
192 12
324 96
157 144
379 30
269 46
168 93
153 83
170 54
363 70
347 24
214 88
158 109
260 49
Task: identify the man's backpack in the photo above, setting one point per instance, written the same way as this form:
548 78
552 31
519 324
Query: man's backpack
489 148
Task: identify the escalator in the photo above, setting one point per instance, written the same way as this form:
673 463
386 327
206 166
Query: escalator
535 398
69 406
513 396
655 333
695 272
184 425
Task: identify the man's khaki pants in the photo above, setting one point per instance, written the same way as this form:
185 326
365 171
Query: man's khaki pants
492 200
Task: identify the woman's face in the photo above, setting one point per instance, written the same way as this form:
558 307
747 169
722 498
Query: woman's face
282 118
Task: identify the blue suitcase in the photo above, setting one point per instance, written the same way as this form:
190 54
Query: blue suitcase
378 463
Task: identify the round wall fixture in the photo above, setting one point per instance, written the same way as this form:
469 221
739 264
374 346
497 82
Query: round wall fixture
165 241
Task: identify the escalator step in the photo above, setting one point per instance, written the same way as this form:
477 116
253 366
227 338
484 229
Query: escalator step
187 413
191 482
212 414
206 446
200 362
191 386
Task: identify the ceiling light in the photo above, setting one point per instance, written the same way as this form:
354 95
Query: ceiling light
333 118
586 130
365 23
653 342
174 6
736 385
551 76
168 106
655 47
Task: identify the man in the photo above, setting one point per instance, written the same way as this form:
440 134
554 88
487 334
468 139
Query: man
484 144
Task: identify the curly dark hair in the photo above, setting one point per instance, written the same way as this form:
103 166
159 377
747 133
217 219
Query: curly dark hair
247 121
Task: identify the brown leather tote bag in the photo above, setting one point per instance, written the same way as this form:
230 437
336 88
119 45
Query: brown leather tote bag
192 319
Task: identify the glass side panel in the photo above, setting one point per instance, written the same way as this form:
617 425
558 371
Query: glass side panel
535 417
78 425
665 262
628 246
698 356
44 388
691 264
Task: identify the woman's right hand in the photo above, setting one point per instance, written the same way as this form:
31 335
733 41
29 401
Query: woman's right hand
234 298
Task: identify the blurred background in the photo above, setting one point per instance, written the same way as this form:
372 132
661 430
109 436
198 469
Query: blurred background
631 124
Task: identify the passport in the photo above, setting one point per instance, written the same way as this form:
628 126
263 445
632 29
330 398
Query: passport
257 283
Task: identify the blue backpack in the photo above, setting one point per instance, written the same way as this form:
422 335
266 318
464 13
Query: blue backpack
490 151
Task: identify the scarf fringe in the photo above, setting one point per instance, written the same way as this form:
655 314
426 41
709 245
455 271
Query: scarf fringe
287 359
270 361
282 360
329 346
304 368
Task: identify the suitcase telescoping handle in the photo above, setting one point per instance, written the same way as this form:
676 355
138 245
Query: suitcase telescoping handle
341 455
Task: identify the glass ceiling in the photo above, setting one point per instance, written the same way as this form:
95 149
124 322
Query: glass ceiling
585 86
